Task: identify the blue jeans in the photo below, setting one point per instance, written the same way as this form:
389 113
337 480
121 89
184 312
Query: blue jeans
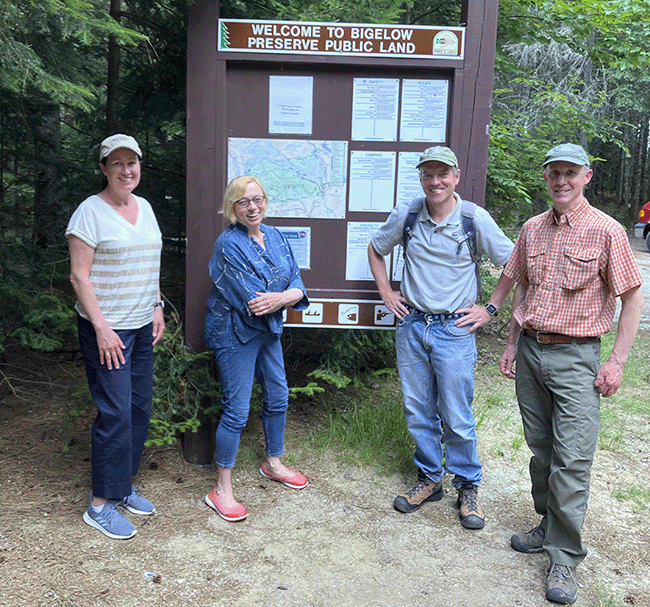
123 399
260 358
436 359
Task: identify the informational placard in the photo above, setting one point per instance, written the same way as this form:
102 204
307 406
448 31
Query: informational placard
291 104
424 110
358 237
375 103
408 177
372 181
300 241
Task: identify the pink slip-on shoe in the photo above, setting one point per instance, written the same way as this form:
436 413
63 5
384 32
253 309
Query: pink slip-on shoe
295 480
231 514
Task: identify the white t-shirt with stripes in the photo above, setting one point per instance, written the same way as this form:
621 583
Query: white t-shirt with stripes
126 267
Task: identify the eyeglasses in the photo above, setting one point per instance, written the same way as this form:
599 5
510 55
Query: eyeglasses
244 202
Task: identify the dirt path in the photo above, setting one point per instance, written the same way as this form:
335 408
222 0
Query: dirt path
337 543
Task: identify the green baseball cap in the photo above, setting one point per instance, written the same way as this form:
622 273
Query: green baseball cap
439 153
567 152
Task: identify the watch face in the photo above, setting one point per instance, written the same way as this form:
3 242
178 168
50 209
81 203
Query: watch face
492 309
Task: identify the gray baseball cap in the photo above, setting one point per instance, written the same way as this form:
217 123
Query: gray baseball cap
439 153
567 152
115 142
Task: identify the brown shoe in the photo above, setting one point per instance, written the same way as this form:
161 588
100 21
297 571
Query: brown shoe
561 585
470 513
530 542
425 490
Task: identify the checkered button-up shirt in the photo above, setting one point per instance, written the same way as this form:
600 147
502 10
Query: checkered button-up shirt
573 269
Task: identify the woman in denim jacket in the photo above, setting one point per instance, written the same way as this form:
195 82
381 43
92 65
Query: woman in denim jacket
254 276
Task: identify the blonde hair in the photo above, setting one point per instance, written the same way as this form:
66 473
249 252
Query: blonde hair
235 190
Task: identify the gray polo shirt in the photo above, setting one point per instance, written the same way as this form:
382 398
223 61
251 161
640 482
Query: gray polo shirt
439 274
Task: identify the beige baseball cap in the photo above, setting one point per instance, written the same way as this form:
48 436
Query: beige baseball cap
114 142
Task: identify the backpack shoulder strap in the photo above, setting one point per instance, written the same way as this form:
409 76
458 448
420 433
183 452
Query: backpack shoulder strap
407 234
467 212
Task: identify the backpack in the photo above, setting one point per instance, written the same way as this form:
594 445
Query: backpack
467 211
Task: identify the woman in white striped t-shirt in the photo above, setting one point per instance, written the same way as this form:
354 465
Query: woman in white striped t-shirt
115 246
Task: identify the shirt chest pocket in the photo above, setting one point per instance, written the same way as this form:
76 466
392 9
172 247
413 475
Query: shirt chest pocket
536 265
580 267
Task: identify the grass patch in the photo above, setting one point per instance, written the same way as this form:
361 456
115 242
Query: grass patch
367 427
639 497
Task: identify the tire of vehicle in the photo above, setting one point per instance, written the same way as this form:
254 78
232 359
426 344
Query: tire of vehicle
647 240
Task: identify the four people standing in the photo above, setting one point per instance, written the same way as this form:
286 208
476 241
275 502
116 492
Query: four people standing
568 264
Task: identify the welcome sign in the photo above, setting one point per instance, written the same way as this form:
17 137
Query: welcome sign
298 37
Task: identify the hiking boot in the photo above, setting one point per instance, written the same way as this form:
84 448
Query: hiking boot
137 504
529 542
425 490
109 521
470 511
561 586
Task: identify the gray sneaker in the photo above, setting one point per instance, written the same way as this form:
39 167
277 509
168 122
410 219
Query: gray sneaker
561 586
110 522
529 542
425 490
137 504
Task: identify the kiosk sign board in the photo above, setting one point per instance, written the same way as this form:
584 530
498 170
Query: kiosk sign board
332 118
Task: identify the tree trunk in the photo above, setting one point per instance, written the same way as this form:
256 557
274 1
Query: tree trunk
113 83
49 215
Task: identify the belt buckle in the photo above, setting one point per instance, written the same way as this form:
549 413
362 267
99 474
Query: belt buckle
540 338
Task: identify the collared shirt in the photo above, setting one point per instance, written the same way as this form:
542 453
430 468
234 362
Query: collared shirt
439 275
239 268
573 269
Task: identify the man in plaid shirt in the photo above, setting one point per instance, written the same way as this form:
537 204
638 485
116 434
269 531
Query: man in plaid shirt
570 263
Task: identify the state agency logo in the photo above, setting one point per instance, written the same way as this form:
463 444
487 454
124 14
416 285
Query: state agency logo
348 314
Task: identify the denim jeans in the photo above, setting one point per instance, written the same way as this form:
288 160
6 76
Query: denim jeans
436 359
123 399
260 358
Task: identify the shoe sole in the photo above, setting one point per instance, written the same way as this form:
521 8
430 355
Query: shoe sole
561 600
93 523
230 519
279 480
406 508
141 512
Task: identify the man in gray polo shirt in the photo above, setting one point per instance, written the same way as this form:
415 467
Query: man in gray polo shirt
437 315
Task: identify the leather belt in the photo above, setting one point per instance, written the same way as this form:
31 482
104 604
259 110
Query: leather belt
557 338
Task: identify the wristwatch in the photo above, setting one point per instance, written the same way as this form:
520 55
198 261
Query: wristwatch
160 304
492 310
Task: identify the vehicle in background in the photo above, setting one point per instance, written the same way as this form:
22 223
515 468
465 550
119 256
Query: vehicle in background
642 228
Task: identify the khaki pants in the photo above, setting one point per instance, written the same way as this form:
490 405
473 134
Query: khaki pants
560 410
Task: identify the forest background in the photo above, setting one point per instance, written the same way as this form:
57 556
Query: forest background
74 71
